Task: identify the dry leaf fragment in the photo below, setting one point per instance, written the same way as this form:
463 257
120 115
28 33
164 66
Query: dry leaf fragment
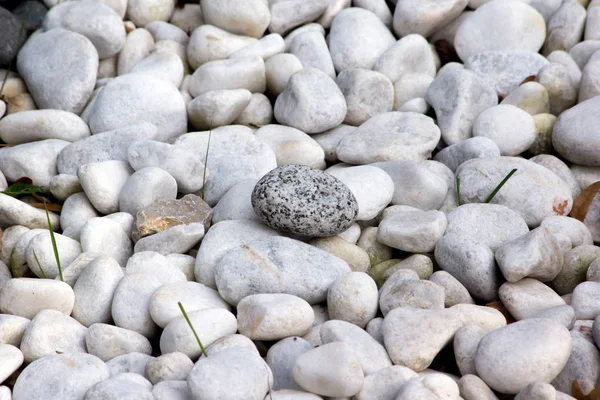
582 204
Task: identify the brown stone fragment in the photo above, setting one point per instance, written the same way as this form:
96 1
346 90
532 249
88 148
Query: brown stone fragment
164 214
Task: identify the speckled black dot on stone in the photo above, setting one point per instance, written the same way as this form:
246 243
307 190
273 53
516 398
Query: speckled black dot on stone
304 201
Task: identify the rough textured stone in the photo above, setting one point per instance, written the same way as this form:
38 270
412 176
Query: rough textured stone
313 203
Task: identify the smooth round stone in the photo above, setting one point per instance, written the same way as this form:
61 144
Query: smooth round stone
138 45
410 55
103 26
533 191
564 315
59 68
292 146
169 367
581 52
258 113
473 387
130 362
286 15
18 258
491 224
217 108
528 297
425 18
304 107
142 12
52 332
101 235
76 211
372 188
330 139
178 239
370 353
40 253
130 303
144 187
465 344
412 231
60 376
536 254
397 291
309 196
367 94
15 161
234 341
508 358
273 316
471 262
265 48
302 270
210 324
248 18
31 126
405 330
12 328
311 49
194 297
505 69
575 266
562 91
336 361
573 136
108 341
593 271
161 30
438 383
584 300
161 64
458 96
353 298
278 70
210 43
409 89
393 136
62 186
184 165
565 28
252 382
102 183
12 359
476 147
557 166
281 358
357 258
378 8
110 145
368 241
149 99
121 386
222 237
357 39
236 73
155 264
94 291
565 59
500 26
530 97
583 366
454 291
544 124
235 155
385 383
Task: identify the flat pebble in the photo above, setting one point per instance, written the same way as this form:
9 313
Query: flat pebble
16 163
179 239
565 28
173 366
311 49
144 187
512 129
409 55
302 214
217 108
412 231
281 358
584 300
357 258
60 376
465 344
528 297
575 266
577 147
530 343
367 94
385 383
278 70
12 328
286 15
454 291
12 358
583 365
101 235
129 363
302 270
121 386
530 97
424 18
40 253
473 387
108 341
31 126
138 45
393 136
102 182
353 298
438 383
292 146
236 73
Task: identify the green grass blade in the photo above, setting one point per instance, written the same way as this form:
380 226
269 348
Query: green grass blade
39 265
53 239
205 163
192 328
457 191
506 178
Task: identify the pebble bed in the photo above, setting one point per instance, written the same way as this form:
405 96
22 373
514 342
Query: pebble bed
312 187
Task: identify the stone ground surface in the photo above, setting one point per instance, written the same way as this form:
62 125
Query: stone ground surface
315 183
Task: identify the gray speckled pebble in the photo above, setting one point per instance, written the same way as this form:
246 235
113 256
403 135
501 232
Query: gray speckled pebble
304 201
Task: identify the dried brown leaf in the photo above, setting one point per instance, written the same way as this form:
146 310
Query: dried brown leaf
51 206
582 204
594 394
530 78
576 391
